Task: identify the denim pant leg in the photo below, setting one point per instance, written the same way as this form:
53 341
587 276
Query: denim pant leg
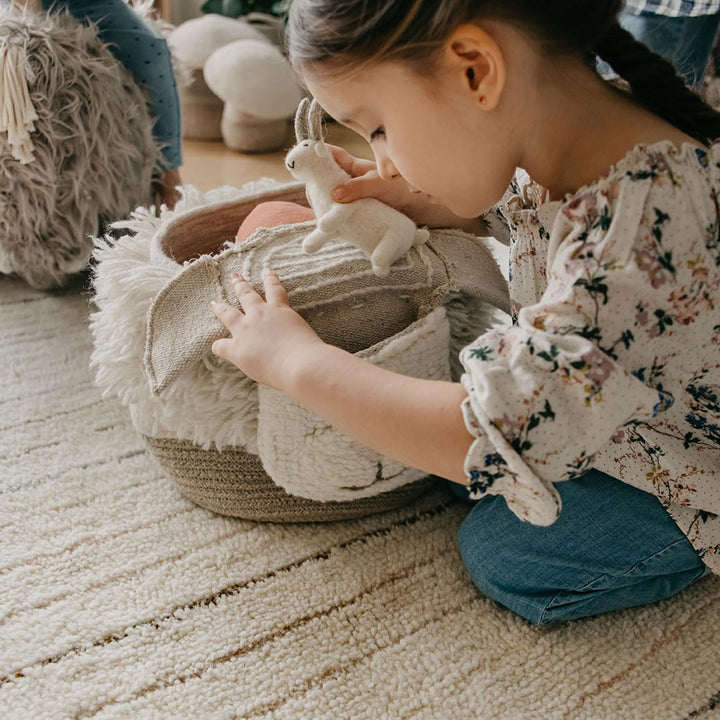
612 547
145 55
686 41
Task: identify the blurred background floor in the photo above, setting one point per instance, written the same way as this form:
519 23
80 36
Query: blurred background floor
212 164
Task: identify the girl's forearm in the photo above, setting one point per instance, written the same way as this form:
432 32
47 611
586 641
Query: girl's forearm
417 422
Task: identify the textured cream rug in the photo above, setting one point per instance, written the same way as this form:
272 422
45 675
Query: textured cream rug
120 599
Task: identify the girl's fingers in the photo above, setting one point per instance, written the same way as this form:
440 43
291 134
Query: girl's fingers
362 187
342 157
275 293
353 166
225 313
244 292
221 348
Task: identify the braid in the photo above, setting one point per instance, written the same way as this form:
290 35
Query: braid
654 82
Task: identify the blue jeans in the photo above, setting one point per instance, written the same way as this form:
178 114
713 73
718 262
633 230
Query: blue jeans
612 547
685 41
145 55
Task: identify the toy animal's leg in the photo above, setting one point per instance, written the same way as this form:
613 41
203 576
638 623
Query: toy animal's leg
385 252
327 227
315 240
421 236
333 219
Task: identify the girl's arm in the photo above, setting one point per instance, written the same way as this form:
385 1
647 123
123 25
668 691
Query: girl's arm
417 422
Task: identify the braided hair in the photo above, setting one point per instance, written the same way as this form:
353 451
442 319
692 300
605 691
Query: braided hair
655 84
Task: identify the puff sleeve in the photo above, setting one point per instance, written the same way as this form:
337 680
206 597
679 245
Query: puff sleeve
550 391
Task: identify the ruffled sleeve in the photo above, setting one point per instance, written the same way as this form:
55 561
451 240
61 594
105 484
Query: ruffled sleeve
522 194
547 393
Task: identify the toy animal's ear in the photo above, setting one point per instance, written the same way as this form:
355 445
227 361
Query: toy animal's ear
301 122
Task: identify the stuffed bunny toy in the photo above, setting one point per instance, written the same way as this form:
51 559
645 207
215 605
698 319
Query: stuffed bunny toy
379 231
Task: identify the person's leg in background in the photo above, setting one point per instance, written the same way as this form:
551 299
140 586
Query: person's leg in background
147 57
687 42
612 547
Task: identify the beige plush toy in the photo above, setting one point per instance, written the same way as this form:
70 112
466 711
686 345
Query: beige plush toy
192 43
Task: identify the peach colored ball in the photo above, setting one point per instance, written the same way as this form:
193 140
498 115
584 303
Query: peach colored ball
271 214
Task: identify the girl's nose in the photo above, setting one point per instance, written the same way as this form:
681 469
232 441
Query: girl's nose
385 168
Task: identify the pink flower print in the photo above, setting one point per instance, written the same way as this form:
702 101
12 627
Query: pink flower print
507 426
598 367
685 309
647 262
641 316
659 162
609 189
581 207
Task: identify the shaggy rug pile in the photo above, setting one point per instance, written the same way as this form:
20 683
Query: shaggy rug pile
121 599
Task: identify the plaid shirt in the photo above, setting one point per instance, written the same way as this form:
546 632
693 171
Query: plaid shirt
673 8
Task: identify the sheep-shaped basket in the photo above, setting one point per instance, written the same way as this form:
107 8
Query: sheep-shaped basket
244 449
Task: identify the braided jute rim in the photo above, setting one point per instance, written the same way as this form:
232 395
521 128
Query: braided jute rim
233 482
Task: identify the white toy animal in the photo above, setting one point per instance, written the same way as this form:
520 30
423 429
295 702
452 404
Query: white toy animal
381 232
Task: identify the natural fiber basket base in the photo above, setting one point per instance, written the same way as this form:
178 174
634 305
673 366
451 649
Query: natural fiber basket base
233 482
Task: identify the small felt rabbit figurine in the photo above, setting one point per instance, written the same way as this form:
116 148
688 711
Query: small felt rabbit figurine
381 232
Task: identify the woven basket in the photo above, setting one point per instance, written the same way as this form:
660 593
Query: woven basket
248 451
233 482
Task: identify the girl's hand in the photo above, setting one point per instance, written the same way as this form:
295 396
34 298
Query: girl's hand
268 338
366 182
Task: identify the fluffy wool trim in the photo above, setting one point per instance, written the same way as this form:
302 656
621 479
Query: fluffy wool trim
94 153
211 404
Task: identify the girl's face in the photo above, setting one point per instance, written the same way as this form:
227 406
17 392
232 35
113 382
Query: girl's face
434 132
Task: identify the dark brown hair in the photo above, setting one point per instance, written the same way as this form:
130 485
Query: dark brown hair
356 33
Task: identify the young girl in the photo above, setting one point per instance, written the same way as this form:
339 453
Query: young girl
609 376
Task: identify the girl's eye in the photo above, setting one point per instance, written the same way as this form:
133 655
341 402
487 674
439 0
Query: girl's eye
376 134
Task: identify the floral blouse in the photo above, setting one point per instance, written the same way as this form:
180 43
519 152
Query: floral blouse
613 358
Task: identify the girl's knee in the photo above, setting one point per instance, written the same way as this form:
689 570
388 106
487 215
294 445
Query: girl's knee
551 575
495 562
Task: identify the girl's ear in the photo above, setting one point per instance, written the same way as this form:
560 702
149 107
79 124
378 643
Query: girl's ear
476 58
